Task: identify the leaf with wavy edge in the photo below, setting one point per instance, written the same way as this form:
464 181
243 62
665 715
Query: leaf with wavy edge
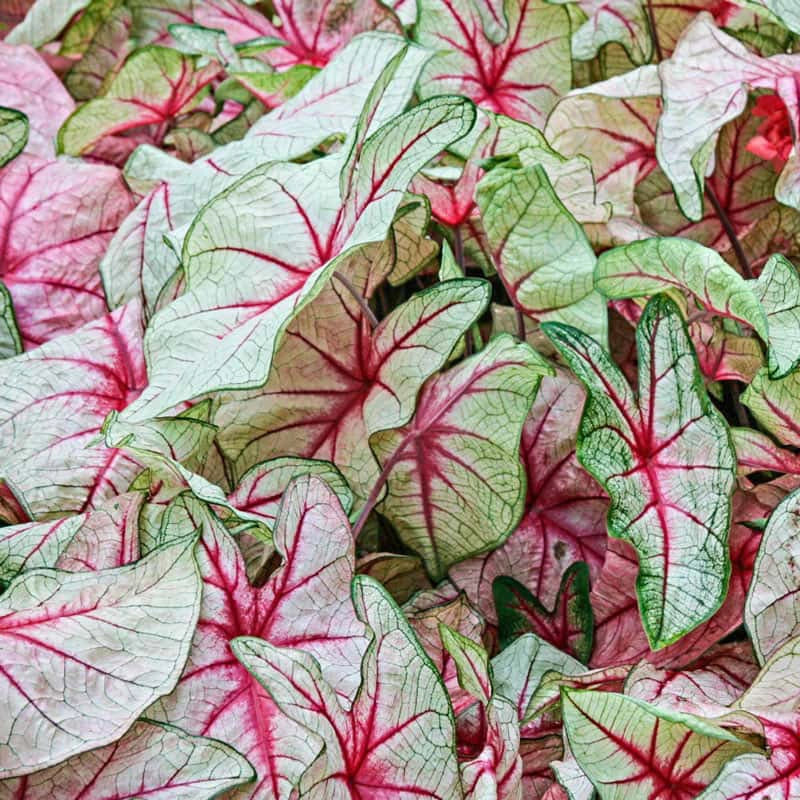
103 538
44 21
772 610
523 76
304 605
392 742
625 745
569 625
150 759
677 522
655 265
758 777
619 637
706 81
50 256
110 644
54 401
14 129
455 485
312 33
29 85
565 510
538 248
335 381
290 208
172 84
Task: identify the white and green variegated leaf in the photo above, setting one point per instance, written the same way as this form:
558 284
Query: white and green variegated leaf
778 289
538 248
472 663
110 643
629 748
772 609
775 404
151 760
277 235
776 687
455 484
10 339
667 462
13 134
44 21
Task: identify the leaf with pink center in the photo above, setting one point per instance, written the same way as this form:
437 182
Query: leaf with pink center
667 461
625 745
173 84
522 77
305 604
151 759
724 355
55 399
305 229
755 452
758 777
565 509
773 403
49 253
313 34
111 642
569 625
31 87
705 85
330 391
455 485
106 537
391 743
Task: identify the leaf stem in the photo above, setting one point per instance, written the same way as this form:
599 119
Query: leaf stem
520 325
730 232
359 298
458 247
654 31
375 493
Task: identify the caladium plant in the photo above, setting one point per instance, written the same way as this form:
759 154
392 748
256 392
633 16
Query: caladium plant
399 399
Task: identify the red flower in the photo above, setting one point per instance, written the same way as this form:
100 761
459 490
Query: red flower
774 139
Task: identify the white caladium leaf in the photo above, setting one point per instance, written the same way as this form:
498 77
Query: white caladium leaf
756 452
230 337
110 643
150 760
629 748
725 355
705 85
172 84
757 777
778 289
776 687
335 381
105 537
565 509
538 248
471 662
305 604
667 462
774 405
463 490
14 129
54 400
44 21
615 121
50 257
772 611
523 76
393 742
655 265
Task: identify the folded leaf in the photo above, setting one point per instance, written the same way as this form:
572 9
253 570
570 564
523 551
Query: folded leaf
44 21
171 82
667 463
10 339
629 748
13 134
393 742
565 509
455 485
150 759
54 400
109 642
51 254
523 76
305 604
